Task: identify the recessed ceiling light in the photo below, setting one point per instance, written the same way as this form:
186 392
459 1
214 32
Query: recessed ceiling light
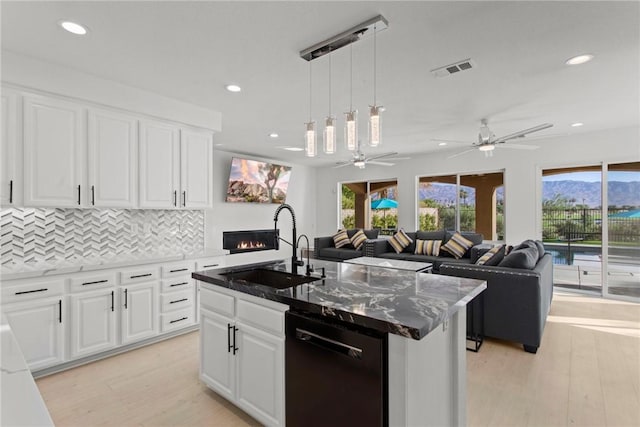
73 27
580 59
233 88
218 145
293 148
442 144
577 124
273 135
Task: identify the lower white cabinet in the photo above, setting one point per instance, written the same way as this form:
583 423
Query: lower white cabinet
139 311
93 322
242 352
38 326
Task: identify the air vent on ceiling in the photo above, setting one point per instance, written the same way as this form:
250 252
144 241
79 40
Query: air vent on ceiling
447 70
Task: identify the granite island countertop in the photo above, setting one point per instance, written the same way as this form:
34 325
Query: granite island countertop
394 301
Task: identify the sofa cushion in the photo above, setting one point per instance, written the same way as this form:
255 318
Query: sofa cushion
492 257
476 238
457 245
399 241
525 258
430 235
358 239
339 253
341 239
530 243
428 247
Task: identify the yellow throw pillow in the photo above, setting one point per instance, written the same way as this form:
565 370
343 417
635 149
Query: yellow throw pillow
457 245
358 239
489 254
399 241
428 247
341 238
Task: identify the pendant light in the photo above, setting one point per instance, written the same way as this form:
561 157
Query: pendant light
351 117
310 141
329 135
374 110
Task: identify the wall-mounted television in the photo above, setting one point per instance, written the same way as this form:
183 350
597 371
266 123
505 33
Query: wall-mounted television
253 181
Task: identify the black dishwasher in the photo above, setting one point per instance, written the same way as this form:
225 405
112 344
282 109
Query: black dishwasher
336 375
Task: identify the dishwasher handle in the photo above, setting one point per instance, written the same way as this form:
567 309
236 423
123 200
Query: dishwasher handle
329 344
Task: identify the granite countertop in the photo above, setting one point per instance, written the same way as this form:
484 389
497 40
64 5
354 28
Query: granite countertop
394 301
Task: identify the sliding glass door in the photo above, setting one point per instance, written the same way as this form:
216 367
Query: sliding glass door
369 204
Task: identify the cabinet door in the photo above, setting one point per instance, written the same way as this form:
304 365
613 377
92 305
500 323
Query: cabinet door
93 322
196 151
159 165
54 152
260 382
217 362
38 326
113 159
139 305
8 155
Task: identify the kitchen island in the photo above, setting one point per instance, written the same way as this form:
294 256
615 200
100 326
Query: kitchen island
421 317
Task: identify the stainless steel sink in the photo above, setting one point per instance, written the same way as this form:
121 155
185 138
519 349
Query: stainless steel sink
271 278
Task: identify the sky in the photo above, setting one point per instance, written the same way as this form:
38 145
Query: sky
594 176
247 171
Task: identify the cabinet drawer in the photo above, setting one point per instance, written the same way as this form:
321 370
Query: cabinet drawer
32 290
218 302
184 268
176 300
138 275
177 284
92 282
207 263
261 317
177 320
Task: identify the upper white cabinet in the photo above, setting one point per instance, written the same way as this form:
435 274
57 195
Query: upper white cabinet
112 159
159 165
10 181
175 167
196 151
54 152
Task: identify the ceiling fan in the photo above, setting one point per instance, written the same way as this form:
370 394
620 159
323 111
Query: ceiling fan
487 140
360 160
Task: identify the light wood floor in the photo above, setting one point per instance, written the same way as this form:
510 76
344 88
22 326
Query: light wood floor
586 372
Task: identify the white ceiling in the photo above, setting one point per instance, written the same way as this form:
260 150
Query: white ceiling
191 50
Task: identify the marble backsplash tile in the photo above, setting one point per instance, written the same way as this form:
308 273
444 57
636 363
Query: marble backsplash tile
47 234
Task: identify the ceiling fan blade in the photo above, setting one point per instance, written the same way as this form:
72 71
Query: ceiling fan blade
398 158
449 140
379 156
373 162
520 146
522 133
343 164
462 152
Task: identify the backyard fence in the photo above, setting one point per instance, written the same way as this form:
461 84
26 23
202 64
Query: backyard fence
586 225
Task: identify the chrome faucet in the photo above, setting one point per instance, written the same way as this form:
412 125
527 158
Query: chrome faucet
295 262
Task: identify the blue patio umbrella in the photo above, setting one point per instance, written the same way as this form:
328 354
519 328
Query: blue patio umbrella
384 204
627 214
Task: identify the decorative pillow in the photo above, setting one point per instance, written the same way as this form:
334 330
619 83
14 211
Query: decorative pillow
428 247
399 241
492 257
457 245
341 239
521 258
358 239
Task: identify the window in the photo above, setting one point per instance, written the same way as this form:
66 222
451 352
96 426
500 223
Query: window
369 204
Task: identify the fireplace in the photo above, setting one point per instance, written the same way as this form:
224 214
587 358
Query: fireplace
250 240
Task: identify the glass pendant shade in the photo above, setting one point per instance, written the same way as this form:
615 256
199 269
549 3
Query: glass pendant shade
374 125
329 135
310 140
351 130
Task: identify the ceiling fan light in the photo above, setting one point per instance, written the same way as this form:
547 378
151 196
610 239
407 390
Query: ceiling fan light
487 147
374 125
351 130
359 163
329 135
310 139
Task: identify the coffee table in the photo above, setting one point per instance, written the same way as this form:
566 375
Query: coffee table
424 267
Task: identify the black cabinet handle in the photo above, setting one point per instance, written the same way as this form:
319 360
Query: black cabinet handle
11 191
95 283
140 275
60 311
33 291
235 349
93 195
125 299
184 198
179 320
229 346
210 265
179 269
175 198
112 299
78 194
178 284
178 300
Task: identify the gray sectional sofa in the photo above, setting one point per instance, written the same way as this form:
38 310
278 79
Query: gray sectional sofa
324 247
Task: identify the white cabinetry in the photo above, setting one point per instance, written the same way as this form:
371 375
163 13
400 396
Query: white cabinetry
196 151
242 351
139 312
159 164
113 159
93 322
10 184
54 152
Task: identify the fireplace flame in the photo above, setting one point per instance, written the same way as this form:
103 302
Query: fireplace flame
250 244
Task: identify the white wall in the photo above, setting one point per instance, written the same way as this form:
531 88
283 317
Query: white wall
522 176
253 216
